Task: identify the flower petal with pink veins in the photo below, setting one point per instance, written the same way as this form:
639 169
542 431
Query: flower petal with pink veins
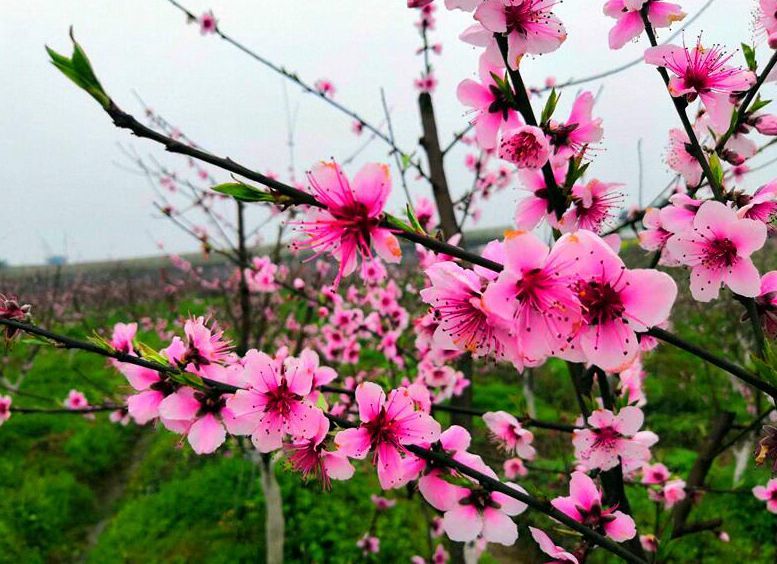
372 186
439 493
206 434
180 406
462 523
612 345
386 245
583 491
389 464
621 528
455 438
498 527
144 407
354 443
337 466
625 29
510 505
370 397
629 420
648 298
744 278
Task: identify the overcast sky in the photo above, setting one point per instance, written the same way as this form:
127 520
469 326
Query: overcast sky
59 170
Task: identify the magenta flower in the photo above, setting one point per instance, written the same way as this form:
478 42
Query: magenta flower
275 401
204 347
629 22
208 23
584 505
369 544
768 494
546 544
526 146
456 296
514 468
593 205
11 309
509 434
655 474
610 438
5 408
350 224
532 209
197 415
325 87
533 296
530 25
76 401
580 129
703 73
762 205
717 248
309 457
491 100
386 427
766 302
616 302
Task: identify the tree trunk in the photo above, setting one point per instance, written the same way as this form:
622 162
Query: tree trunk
274 524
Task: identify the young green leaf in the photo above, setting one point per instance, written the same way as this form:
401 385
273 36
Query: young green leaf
749 53
243 192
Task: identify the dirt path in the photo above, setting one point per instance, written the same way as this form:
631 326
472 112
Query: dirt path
112 490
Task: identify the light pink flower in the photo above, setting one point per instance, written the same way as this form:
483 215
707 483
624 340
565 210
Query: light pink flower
717 248
704 73
532 209
197 415
526 146
491 102
768 494
123 334
680 215
557 553
530 25
473 512
671 492
203 348
427 82
655 474
766 124
386 427
350 224
509 434
275 402
649 543
5 408
309 457
514 468
456 296
655 236
382 503
369 544
680 160
767 20
208 23
580 130
616 302
533 296
610 438
593 205
629 22
584 505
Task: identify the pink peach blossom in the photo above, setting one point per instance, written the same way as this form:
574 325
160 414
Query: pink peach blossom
629 22
526 146
509 434
584 505
350 224
717 248
610 438
546 544
768 494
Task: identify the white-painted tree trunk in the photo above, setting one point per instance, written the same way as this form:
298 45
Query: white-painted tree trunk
274 524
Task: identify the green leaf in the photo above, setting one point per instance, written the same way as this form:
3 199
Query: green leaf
397 223
411 217
550 107
758 104
79 70
716 167
243 192
749 53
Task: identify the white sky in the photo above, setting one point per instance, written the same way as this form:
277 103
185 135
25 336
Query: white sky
58 150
